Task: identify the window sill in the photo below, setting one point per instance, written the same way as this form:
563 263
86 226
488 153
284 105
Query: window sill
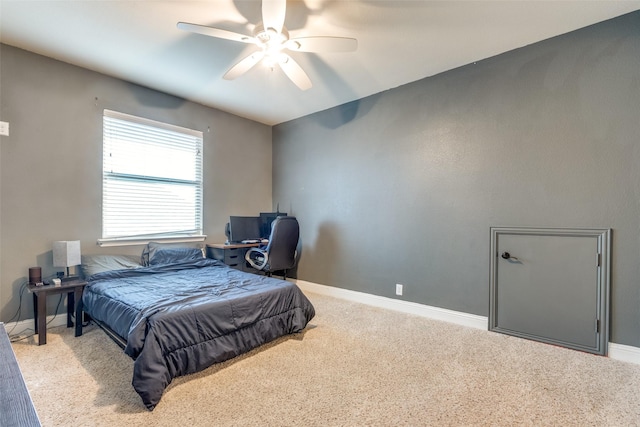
138 241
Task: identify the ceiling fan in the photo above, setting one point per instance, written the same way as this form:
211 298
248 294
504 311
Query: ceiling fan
272 38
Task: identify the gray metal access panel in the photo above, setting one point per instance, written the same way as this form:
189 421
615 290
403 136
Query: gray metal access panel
551 285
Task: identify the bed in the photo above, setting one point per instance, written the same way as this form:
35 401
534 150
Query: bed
177 313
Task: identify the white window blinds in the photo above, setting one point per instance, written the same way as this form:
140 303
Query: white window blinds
152 179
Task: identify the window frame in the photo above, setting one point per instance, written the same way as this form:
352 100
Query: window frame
195 235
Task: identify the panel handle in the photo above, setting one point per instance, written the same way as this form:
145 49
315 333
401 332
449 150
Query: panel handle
507 255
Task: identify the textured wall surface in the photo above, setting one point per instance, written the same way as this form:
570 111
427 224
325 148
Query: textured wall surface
403 186
51 164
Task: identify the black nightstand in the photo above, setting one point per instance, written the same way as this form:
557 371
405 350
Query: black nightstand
73 289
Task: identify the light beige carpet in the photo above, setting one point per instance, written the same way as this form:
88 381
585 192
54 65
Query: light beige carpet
353 366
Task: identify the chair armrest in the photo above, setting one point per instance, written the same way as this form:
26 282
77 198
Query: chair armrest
253 263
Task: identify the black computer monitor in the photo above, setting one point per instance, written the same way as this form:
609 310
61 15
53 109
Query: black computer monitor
244 228
266 218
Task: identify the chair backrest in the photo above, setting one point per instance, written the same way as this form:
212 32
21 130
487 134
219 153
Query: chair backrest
283 241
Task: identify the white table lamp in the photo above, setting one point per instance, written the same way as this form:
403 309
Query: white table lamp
66 254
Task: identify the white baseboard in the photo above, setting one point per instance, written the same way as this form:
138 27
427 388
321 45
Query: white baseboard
26 327
437 313
626 353
621 352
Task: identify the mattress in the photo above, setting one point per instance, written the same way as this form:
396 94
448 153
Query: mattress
181 318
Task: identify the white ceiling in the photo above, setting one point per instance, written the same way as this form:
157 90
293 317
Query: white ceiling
399 41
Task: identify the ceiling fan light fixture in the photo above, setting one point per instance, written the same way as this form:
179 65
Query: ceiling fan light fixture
270 35
272 44
272 39
271 59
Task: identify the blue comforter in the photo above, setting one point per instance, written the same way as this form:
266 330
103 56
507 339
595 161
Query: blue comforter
178 319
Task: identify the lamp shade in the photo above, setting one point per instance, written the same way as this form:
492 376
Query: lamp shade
66 253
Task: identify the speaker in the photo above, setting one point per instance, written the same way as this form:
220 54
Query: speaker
35 276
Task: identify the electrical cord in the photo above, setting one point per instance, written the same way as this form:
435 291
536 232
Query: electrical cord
18 314
57 307
84 322
22 338
23 286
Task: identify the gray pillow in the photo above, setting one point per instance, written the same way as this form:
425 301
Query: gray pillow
171 253
92 264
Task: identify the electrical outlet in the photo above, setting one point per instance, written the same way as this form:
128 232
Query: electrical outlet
4 128
398 289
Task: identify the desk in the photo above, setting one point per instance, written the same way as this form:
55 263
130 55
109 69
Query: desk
73 289
232 255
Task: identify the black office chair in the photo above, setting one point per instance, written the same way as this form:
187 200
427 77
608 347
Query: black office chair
280 253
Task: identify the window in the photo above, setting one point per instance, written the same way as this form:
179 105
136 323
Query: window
152 181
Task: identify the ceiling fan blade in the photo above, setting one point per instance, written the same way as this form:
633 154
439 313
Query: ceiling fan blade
295 72
244 65
323 44
215 32
273 13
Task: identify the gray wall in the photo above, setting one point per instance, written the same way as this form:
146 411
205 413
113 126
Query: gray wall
402 187
51 164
